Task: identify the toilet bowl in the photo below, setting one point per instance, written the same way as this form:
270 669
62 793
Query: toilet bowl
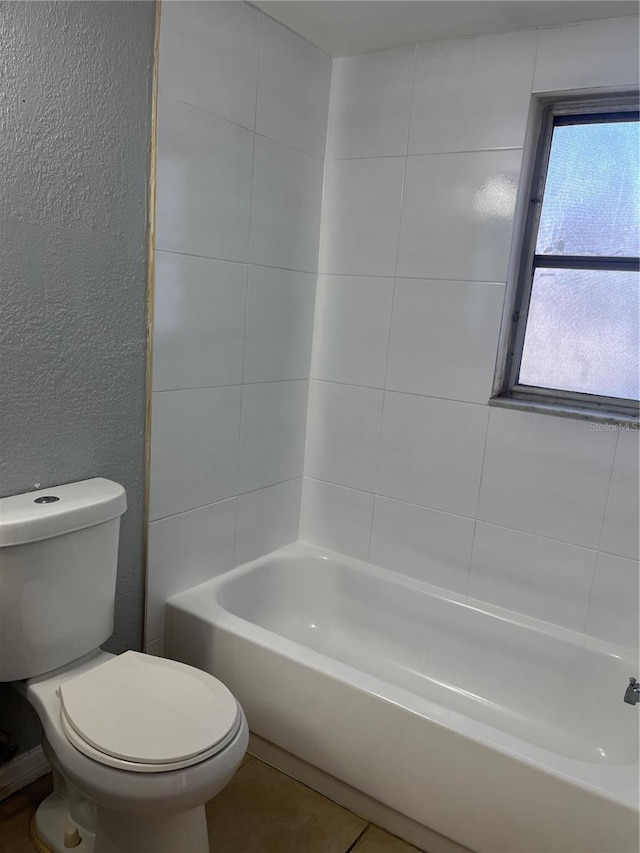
137 743
121 804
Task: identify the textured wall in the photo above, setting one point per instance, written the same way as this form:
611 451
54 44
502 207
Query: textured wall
74 145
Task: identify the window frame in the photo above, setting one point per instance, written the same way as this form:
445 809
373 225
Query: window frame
509 391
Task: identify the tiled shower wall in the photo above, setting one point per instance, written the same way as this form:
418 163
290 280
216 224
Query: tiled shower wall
406 465
242 113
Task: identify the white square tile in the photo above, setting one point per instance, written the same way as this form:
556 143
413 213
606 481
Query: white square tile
587 56
472 94
194 448
287 199
209 55
613 612
279 324
360 216
620 532
431 452
199 308
185 550
444 336
343 426
370 103
203 201
336 518
293 90
540 577
424 544
272 433
267 520
351 333
457 215
546 475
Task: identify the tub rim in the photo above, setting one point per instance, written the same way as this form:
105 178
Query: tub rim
618 783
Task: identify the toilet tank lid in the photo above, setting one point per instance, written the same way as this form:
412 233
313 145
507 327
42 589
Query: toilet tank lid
74 506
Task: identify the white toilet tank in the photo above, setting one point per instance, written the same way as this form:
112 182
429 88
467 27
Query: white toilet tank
58 560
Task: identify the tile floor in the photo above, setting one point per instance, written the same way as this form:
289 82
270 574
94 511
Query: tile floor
260 811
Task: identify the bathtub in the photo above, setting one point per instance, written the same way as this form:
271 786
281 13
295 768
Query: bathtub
502 733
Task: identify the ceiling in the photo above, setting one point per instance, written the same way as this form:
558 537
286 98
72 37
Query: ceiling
347 27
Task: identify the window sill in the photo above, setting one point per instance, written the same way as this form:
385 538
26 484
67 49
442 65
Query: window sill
562 410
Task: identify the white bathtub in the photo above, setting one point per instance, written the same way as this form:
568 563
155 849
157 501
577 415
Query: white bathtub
501 732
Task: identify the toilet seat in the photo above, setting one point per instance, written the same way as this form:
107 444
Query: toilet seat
146 714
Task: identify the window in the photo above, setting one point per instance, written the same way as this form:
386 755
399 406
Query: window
574 332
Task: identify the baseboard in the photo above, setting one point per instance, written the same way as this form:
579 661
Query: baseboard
361 804
22 770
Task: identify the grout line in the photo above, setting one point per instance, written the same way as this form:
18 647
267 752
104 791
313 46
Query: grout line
246 303
473 540
291 147
356 840
270 486
591 588
606 503
426 153
373 513
477 506
484 453
160 251
409 503
566 542
235 526
228 498
285 27
604 515
405 277
319 273
389 391
411 97
252 130
617 556
193 509
204 110
395 272
255 107
247 262
535 62
236 385
246 325
435 509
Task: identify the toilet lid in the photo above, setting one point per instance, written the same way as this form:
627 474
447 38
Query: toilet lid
149 711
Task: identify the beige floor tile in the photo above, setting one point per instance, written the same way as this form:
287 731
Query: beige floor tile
260 811
14 833
377 841
15 816
264 811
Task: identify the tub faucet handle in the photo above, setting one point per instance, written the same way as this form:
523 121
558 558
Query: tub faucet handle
632 693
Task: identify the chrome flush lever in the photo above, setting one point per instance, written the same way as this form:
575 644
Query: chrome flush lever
632 693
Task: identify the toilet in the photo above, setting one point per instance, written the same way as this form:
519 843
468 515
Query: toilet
137 744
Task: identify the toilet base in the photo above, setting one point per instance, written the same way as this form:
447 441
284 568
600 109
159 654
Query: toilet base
50 823
119 833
